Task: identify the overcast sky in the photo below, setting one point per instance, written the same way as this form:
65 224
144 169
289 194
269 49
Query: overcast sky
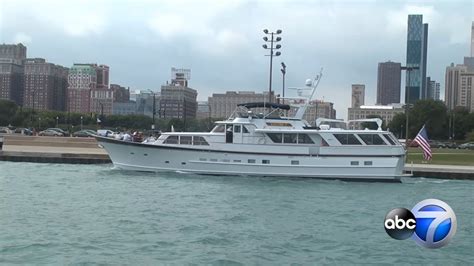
221 41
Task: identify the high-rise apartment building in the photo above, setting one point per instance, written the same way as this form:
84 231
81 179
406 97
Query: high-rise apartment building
88 90
45 85
102 96
12 72
388 83
358 95
452 85
121 94
221 105
82 79
177 100
417 45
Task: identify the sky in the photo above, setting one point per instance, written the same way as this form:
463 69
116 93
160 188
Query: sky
221 41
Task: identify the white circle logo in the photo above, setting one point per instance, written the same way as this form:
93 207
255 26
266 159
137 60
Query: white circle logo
435 223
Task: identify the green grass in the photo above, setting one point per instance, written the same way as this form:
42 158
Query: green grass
443 156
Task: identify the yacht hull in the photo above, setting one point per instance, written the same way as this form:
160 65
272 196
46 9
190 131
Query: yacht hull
156 158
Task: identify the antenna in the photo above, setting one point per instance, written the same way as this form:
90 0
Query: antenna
310 85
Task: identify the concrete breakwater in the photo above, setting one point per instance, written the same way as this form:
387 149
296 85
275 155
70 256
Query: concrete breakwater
19 148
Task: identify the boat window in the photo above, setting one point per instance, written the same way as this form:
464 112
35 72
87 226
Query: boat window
304 138
354 163
236 128
251 161
389 139
295 162
372 139
245 129
187 140
289 138
237 161
198 140
171 140
275 137
218 129
278 124
347 139
265 161
367 162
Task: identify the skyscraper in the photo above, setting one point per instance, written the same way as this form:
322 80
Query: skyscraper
358 95
432 89
82 78
12 71
388 83
472 39
101 95
45 85
177 99
417 44
457 86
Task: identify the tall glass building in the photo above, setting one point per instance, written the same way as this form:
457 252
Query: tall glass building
417 43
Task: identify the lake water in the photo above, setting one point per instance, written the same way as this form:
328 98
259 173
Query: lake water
61 214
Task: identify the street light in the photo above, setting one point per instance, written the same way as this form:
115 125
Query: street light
271 40
81 121
154 110
408 70
57 121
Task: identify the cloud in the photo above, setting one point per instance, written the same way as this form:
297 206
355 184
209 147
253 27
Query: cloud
221 40
75 19
22 37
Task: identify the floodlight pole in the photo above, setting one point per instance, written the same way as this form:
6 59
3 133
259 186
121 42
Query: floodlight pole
272 40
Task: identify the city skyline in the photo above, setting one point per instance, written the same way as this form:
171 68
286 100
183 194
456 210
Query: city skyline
225 53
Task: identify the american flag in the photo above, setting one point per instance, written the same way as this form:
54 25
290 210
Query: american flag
422 140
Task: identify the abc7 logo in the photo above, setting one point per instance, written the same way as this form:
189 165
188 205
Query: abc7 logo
431 223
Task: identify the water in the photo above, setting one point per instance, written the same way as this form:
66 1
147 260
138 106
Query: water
61 214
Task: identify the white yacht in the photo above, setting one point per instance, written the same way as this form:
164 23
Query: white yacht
269 144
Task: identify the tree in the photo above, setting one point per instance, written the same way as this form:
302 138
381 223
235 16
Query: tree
431 113
7 112
459 122
397 125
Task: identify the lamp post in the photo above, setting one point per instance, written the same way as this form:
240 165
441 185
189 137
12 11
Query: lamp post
154 110
271 40
81 121
57 121
408 70
283 72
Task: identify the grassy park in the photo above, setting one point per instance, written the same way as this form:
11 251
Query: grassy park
443 156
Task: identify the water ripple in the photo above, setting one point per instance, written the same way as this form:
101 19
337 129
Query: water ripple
82 214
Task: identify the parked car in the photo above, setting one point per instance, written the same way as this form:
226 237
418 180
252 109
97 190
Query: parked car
437 144
468 145
5 130
24 131
49 132
451 145
65 133
84 133
105 133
